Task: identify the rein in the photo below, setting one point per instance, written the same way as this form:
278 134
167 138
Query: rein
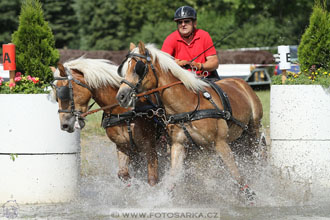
138 95
99 109
159 89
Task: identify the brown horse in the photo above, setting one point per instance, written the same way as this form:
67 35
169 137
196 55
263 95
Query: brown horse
182 92
78 81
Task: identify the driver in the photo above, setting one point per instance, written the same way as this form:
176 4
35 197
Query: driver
187 42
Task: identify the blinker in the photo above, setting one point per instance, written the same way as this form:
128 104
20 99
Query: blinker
139 68
63 93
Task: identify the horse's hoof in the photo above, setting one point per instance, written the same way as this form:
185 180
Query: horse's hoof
249 195
152 181
124 177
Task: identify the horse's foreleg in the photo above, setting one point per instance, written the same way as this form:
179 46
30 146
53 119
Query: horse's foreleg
177 157
228 158
152 167
123 161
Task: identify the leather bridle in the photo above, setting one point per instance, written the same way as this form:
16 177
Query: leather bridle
141 69
65 93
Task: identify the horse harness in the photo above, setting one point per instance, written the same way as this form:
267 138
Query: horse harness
141 69
65 93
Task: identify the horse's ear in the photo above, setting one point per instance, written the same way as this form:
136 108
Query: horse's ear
131 46
142 48
61 69
76 71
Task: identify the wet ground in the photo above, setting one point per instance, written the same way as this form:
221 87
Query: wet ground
204 192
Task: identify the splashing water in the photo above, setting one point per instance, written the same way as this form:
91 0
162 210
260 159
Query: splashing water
205 185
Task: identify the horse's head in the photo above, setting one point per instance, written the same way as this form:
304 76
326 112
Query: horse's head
140 75
72 94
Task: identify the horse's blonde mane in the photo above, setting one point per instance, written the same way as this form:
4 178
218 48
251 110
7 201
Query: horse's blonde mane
167 63
97 72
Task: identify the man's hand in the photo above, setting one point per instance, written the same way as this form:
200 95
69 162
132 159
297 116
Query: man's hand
198 66
182 63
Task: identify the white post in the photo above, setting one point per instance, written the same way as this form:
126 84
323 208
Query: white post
285 64
47 159
300 136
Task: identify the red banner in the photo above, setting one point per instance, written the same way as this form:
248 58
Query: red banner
9 56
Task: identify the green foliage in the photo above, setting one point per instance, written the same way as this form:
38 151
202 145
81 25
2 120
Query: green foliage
217 26
35 44
154 34
63 22
112 24
257 33
314 48
13 157
99 22
308 77
313 51
9 10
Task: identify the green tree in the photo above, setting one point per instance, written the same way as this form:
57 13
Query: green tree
314 48
155 34
289 17
63 22
147 20
9 10
157 21
98 22
35 44
112 24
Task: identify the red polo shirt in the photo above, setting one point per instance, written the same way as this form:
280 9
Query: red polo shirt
179 49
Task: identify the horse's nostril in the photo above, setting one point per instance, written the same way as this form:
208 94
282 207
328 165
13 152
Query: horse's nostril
65 126
120 97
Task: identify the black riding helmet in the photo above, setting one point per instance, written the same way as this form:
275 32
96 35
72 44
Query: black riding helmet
185 12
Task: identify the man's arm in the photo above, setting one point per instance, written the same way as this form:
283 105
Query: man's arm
212 63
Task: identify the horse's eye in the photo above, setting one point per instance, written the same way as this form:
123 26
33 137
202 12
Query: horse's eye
139 68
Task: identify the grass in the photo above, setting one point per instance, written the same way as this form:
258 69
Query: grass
264 96
93 124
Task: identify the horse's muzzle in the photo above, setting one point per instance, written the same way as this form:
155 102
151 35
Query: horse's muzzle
69 122
125 97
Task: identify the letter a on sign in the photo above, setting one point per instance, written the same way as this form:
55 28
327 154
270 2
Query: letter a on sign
6 58
9 62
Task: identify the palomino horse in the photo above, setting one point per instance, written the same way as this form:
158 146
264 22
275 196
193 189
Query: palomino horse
78 81
194 111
